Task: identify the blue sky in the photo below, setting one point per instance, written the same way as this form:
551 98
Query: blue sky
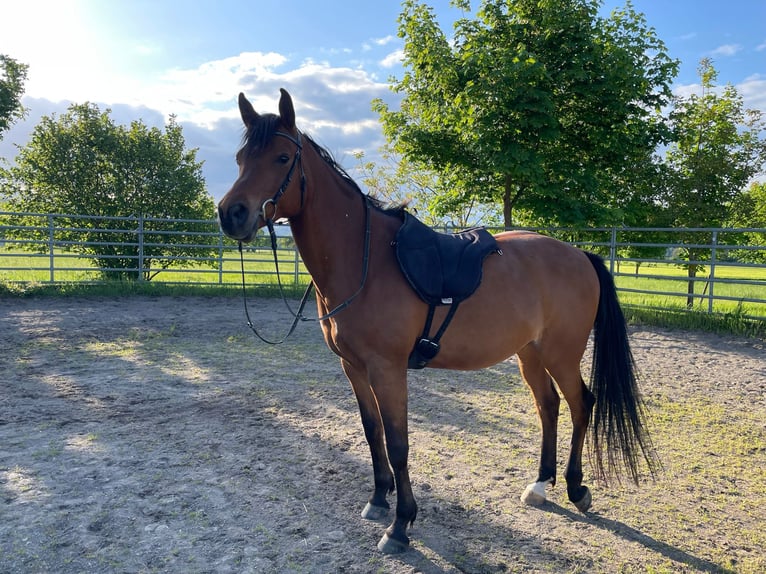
146 59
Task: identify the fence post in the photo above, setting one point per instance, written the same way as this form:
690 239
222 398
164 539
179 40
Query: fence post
50 246
141 247
612 250
711 276
297 264
220 256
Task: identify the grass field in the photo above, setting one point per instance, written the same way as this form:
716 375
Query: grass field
73 268
654 294
656 281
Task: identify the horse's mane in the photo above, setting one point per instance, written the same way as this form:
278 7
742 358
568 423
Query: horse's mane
259 134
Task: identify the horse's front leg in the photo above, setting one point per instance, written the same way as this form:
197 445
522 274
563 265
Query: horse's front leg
390 388
377 507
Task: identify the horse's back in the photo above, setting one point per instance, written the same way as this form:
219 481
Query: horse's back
559 277
539 290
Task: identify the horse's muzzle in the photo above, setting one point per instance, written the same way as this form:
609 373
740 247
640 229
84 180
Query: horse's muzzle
234 221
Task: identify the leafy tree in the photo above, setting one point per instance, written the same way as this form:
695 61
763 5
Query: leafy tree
543 107
13 75
399 180
83 163
749 211
718 147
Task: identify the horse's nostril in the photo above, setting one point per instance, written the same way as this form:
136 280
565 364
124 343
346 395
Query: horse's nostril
238 214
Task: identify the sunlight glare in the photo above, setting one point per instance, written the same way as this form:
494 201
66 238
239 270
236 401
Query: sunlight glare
23 484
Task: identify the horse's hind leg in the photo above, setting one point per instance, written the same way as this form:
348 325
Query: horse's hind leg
580 406
377 507
547 402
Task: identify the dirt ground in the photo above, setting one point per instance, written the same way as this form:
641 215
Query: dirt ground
145 434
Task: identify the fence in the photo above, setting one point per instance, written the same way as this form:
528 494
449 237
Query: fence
712 270
56 248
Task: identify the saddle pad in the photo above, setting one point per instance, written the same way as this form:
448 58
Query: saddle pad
442 268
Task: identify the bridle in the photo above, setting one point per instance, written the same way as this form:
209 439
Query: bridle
286 183
269 220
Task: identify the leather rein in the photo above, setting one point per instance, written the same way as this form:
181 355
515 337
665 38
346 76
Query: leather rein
269 220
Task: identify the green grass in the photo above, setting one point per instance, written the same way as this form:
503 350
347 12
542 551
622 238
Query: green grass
69 268
665 278
696 321
729 316
78 276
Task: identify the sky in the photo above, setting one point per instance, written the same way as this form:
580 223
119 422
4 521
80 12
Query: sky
147 59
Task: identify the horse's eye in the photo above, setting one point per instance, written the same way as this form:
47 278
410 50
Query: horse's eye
284 158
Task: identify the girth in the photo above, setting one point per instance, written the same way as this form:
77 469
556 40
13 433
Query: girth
443 269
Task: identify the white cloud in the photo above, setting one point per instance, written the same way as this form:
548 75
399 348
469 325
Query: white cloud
753 90
346 128
760 47
207 93
332 104
384 41
686 90
726 50
393 59
147 49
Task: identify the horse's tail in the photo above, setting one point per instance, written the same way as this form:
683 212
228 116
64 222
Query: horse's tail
618 417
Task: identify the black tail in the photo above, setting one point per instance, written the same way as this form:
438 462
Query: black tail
618 414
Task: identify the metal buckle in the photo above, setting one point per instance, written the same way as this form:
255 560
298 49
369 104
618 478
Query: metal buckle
263 208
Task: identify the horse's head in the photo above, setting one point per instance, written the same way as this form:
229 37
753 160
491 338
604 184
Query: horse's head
270 184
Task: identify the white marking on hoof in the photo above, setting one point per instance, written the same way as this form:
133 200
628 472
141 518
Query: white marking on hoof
534 494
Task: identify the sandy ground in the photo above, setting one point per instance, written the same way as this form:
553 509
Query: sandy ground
156 435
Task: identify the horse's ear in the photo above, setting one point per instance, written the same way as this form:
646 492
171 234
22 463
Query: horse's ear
249 115
286 110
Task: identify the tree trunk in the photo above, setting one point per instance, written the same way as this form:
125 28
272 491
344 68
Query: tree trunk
508 200
690 287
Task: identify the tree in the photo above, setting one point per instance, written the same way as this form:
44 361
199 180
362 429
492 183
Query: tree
749 211
542 107
399 180
718 147
13 75
83 163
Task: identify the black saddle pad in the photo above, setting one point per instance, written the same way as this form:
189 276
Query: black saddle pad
442 268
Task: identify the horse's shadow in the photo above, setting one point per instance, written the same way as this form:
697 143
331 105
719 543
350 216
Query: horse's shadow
423 563
632 535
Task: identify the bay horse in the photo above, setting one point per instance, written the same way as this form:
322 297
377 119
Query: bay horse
539 300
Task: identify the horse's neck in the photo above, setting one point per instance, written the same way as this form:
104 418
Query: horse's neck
330 232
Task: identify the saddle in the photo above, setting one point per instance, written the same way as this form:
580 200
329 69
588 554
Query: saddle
443 269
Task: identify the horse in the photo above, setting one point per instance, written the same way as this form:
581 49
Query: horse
538 299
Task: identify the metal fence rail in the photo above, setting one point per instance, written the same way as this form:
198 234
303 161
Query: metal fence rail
650 265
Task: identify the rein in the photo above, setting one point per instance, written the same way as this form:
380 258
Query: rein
298 316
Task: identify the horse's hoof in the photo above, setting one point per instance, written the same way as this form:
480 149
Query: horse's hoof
372 512
534 494
392 545
584 503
